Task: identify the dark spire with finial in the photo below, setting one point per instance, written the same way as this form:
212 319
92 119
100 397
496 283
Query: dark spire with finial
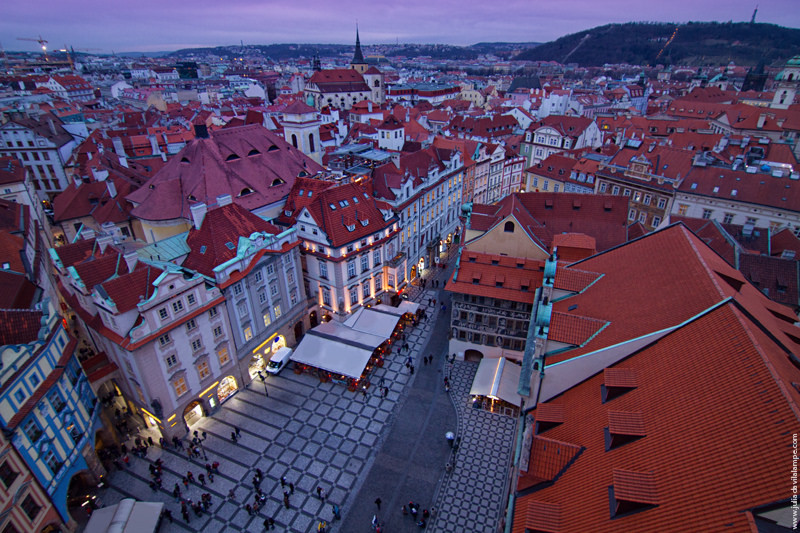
358 57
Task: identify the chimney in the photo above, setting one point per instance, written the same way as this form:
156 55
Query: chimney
224 199
154 144
112 189
52 126
99 175
104 241
198 214
131 258
761 119
369 106
118 148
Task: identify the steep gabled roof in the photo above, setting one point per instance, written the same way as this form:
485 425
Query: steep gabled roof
724 361
128 290
250 163
218 237
346 213
19 326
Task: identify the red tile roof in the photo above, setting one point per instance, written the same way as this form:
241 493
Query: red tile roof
250 163
573 329
346 213
479 274
19 326
16 292
218 237
739 186
93 199
726 368
128 290
11 171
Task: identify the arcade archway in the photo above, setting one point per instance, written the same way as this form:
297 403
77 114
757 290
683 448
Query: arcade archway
193 413
473 355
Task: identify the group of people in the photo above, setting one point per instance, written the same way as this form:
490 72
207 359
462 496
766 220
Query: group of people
413 510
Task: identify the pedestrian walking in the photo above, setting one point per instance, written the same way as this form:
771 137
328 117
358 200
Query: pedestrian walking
190 476
411 369
202 479
238 433
233 436
249 509
378 503
168 514
320 493
210 477
185 482
283 481
185 513
150 441
232 494
291 488
336 514
286 499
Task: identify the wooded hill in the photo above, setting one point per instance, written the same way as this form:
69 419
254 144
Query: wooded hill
694 43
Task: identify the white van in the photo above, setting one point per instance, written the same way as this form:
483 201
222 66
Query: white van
279 360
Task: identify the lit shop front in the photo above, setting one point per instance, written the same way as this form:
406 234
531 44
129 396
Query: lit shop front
263 352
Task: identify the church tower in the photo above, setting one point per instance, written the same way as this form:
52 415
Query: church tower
358 64
301 129
788 80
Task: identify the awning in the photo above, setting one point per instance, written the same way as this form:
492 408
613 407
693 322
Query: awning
345 348
128 516
497 378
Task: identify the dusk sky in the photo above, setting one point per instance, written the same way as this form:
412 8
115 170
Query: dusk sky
150 25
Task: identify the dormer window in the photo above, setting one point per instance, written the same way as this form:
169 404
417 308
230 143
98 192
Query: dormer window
253 152
617 382
245 191
277 181
232 157
623 427
632 492
332 206
548 416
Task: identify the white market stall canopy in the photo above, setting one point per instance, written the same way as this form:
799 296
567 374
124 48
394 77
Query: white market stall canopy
497 378
345 348
128 516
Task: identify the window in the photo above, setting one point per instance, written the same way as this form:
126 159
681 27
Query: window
277 310
615 190
508 227
637 196
34 380
29 505
643 217
662 203
267 320
364 263
366 288
218 332
351 269
290 276
164 339
390 280
353 295
262 296
376 258
172 360
259 276
270 270
20 395
241 309
626 192
191 299
682 209
247 333
707 213
197 345
177 306
203 370
273 288
656 221
378 282
647 199
556 186
56 401
190 325
212 312
326 296
323 270
237 289
223 356
32 430
162 313
293 296
7 474
179 384
632 214
728 218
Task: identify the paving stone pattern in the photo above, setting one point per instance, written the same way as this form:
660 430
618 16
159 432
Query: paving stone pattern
320 434
471 498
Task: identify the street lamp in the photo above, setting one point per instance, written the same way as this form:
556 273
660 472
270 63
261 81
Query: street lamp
264 381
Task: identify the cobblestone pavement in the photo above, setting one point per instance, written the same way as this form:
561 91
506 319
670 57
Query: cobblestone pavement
471 498
320 434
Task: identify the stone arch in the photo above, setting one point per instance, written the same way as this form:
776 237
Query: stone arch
473 355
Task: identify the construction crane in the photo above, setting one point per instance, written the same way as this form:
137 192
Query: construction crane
42 43
70 51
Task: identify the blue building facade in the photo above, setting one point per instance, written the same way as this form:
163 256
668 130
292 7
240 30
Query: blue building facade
47 408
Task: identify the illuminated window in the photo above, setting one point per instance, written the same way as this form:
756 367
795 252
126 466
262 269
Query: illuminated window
277 311
203 370
179 384
247 333
223 356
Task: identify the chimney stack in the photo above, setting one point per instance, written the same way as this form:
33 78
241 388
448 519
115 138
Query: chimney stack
52 126
131 258
112 189
198 214
224 199
103 242
118 148
154 145
761 119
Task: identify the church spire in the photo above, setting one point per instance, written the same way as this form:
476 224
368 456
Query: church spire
358 57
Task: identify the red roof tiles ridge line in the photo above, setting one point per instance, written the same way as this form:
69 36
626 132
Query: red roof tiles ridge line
738 309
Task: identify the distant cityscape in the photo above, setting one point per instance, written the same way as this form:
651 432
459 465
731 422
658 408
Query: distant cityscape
599 260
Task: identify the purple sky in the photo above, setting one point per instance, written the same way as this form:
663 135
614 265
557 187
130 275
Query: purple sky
150 25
